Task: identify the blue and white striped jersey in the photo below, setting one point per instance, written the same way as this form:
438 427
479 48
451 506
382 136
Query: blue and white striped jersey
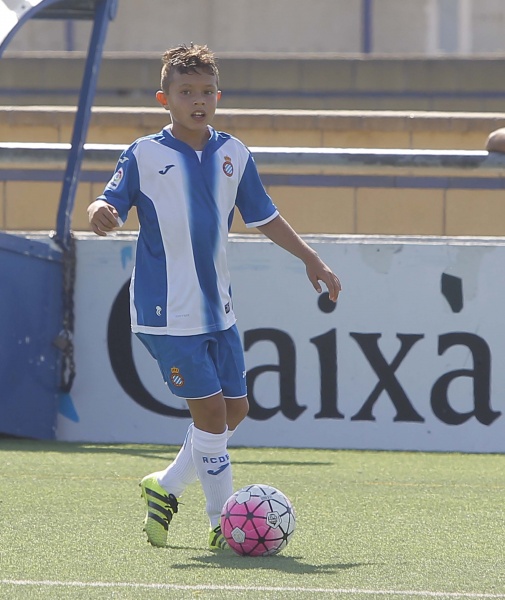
185 203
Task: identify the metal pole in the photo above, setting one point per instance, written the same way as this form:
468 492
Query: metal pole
104 12
465 27
432 28
69 35
366 26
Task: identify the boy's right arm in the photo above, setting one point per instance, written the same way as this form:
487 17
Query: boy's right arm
103 217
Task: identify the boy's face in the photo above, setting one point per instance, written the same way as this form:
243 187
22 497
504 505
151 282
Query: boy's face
192 100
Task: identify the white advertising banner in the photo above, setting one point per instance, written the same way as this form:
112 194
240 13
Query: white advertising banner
410 358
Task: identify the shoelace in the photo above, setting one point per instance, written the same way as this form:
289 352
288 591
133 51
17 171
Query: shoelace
161 501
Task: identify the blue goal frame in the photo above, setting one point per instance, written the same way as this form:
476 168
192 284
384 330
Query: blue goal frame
101 11
37 272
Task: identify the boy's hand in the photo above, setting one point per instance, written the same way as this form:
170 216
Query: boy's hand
318 271
103 217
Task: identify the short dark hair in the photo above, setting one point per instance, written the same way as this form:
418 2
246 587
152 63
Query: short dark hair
187 59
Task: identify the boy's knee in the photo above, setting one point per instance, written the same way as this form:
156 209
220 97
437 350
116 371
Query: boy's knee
244 408
237 411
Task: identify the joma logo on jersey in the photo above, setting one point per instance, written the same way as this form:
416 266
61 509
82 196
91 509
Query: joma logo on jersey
166 169
176 378
227 166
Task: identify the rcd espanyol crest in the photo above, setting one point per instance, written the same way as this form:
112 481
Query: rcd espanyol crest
176 378
228 166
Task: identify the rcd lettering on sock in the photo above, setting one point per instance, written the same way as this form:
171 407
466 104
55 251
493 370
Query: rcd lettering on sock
216 459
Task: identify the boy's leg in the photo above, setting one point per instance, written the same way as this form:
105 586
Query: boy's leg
210 454
161 489
236 412
181 471
204 362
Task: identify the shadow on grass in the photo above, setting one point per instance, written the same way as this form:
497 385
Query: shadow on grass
286 564
281 463
168 452
26 445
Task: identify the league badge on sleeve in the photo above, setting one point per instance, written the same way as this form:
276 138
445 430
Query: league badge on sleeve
116 179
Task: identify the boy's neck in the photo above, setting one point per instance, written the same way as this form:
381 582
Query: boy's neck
194 139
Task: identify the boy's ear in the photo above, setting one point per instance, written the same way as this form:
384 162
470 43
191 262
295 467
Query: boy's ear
218 95
162 99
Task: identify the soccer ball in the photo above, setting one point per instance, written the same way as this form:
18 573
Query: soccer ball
258 520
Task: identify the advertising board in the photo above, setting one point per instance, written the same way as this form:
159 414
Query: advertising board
409 359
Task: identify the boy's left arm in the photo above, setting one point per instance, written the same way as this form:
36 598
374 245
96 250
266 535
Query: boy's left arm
281 233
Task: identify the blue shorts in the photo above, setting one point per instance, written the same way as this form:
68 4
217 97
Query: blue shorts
199 366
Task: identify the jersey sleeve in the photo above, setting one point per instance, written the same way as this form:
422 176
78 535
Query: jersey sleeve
123 187
253 202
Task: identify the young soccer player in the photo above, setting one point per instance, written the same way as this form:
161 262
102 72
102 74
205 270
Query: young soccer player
185 182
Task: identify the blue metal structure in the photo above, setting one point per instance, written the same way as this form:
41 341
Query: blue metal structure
36 296
366 26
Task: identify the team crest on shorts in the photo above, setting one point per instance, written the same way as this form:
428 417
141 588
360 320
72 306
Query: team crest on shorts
227 166
176 378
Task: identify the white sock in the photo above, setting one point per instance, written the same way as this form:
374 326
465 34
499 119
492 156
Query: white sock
213 466
181 471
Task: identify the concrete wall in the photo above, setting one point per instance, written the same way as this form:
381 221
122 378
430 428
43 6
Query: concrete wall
374 200
357 206
415 27
269 81
313 128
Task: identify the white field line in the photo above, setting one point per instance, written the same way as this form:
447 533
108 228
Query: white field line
244 588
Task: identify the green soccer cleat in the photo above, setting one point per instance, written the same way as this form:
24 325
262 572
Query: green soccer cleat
217 541
160 510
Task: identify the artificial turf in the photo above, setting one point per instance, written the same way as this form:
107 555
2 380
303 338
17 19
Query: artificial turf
369 525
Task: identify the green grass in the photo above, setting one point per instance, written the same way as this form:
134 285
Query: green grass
369 525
